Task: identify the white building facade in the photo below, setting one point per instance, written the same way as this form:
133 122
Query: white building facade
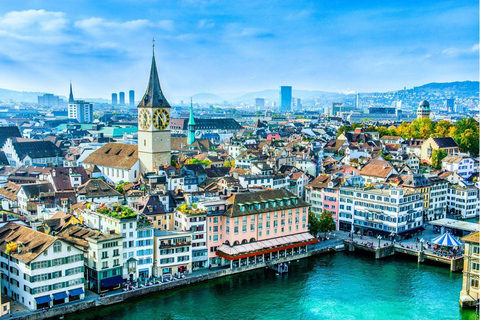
388 212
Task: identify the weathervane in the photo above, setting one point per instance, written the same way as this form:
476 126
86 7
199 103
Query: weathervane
153 45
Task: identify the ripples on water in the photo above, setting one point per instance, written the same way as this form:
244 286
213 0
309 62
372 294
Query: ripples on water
333 286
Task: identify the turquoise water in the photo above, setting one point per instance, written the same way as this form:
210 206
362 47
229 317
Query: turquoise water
333 286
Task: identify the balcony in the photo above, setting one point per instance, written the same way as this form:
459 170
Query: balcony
174 245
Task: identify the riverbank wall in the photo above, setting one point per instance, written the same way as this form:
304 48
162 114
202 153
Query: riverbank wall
121 296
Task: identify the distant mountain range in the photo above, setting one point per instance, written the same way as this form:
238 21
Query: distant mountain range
249 97
19 96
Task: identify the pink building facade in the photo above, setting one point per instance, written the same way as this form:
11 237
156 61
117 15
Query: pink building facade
251 222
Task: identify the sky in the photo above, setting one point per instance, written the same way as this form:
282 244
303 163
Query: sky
235 46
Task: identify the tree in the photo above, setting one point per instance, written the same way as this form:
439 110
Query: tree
313 224
326 222
466 134
342 129
197 161
382 131
392 131
437 157
443 129
423 128
229 164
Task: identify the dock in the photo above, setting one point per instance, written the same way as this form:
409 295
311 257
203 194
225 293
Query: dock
455 263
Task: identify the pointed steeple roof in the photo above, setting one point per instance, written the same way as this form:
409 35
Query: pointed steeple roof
154 97
191 120
70 97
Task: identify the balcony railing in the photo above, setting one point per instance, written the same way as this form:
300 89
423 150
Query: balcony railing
177 244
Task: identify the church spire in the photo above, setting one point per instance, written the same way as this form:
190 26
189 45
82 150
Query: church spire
154 97
70 97
191 125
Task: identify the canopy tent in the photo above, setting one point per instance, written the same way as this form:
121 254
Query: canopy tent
446 240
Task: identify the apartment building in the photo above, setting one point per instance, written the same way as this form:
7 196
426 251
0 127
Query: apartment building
103 256
384 210
39 270
463 201
173 252
137 233
192 218
471 271
438 199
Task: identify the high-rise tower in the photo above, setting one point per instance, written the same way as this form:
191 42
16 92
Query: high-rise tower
285 98
191 126
131 97
153 125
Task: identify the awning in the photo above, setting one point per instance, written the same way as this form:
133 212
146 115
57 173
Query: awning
43 299
265 246
76 292
111 282
60 295
411 231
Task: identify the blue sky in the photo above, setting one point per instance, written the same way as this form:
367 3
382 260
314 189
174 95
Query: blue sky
236 46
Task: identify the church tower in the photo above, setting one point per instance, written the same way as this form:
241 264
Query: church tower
191 126
70 97
153 125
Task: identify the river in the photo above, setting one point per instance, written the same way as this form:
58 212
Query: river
332 286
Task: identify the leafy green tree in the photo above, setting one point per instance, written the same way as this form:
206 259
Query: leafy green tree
313 224
342 129
466 134
423 128
120 185
382 131
197 161
437 157
229 164
326 222
442 129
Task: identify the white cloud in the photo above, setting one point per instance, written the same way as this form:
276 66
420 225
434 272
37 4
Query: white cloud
452 51
96 25
206 24
33 20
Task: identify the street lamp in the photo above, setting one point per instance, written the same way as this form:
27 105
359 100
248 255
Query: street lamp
421 244
379 238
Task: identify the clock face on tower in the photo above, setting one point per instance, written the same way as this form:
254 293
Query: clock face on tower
144 120
161 119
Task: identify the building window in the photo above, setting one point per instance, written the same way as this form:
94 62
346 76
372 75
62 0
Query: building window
474 283
57 247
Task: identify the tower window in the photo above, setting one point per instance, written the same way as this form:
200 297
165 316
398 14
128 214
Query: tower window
144 142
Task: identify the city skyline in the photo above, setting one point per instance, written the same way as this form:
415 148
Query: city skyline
207 46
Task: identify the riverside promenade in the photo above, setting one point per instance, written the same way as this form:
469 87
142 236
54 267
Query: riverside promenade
92 300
